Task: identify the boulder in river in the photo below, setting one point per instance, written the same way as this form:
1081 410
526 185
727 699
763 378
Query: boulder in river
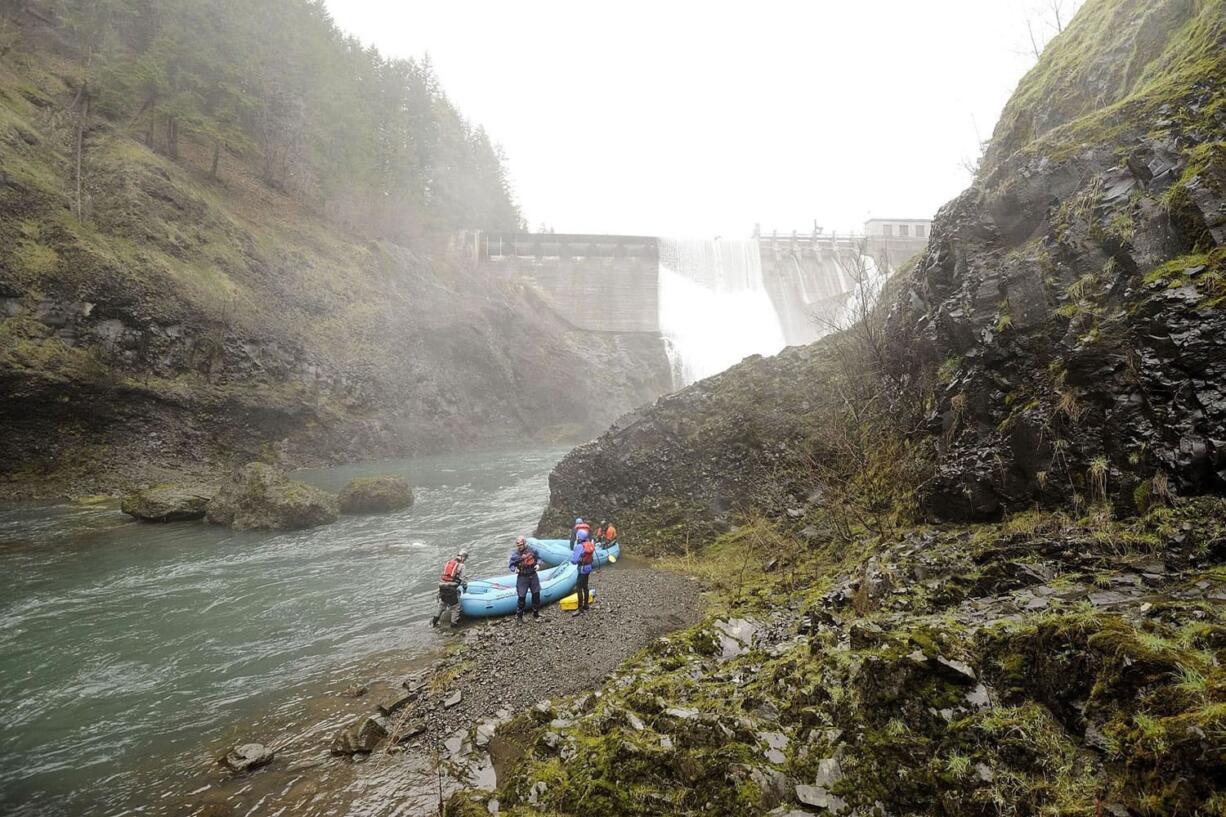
259 497
246 757
361 736
168 503
378 494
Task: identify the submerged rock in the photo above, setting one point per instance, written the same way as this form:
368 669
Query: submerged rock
247 756
168 503
378 494
361 736
259 497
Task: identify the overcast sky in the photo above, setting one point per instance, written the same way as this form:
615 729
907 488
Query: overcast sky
698 119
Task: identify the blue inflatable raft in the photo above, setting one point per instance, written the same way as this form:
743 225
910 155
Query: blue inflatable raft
557 551
496 596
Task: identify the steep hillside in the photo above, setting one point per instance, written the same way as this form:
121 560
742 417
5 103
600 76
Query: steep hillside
171 318
1060 341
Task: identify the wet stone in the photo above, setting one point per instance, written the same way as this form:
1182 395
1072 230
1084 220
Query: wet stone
361 736
455 744
485 731
978 697
984 773
735 636
246 757
829 772
410 730
394 703
1109 598
956 670
820 797
772 783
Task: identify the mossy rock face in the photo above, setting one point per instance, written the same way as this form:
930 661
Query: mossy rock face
168 503
379 494
259 497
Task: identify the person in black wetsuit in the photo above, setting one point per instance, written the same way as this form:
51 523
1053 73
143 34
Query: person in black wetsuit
525 561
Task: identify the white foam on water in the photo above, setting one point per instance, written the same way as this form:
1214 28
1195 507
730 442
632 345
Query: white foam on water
714 310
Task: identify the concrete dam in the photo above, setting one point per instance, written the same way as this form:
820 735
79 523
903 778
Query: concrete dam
709 303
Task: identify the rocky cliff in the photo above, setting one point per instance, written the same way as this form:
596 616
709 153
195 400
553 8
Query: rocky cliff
1072 298
1060 341
191 322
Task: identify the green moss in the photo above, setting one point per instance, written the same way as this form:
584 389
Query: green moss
1206 271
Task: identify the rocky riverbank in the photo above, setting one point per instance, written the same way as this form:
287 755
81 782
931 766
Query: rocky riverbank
383 741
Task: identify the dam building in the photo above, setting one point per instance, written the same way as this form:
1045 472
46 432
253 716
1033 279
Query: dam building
710 302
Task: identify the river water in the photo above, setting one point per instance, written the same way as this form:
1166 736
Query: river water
130 652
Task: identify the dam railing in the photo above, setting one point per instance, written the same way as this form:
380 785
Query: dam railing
566 245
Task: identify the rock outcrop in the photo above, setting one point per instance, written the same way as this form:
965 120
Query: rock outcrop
378 494
685 467
168 503
259 497
1071 300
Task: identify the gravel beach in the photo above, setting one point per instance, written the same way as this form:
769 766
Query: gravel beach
508 665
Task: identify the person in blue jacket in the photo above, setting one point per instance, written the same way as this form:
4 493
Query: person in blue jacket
583 555
525 561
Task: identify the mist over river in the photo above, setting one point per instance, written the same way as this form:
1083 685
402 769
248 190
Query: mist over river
129 652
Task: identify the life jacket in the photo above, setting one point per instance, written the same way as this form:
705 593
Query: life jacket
610 534
527 561
451 572
583 526
589 551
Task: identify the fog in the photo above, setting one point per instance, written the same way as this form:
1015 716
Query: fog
702 119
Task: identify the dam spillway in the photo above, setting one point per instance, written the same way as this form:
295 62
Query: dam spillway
705 304
713 307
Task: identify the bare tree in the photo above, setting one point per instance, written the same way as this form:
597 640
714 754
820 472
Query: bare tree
1034 44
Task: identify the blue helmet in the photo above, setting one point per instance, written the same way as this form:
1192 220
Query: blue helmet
581 536
578 520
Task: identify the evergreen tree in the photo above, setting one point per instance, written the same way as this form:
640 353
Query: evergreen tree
371 141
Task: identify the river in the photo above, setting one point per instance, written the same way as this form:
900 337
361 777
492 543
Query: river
130 652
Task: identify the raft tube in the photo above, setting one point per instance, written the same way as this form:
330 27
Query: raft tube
497 597
557 551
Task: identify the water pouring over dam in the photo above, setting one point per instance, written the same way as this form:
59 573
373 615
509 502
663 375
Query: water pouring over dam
713 306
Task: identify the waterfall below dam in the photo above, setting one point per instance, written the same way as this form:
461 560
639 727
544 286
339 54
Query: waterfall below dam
718 304
714 308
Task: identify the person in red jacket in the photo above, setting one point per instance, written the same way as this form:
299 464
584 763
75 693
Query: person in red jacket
450 585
